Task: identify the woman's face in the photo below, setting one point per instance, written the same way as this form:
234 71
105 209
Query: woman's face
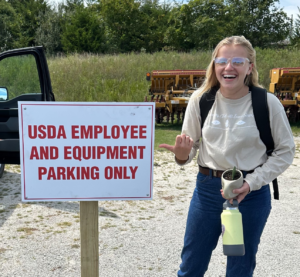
231 77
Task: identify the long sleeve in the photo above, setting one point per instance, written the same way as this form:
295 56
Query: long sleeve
283 154
192 125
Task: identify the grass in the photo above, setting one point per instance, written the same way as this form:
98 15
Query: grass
295 128
108 225
122 78
64 224
166 133
20 76
26 230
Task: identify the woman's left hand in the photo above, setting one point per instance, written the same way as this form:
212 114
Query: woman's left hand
242 192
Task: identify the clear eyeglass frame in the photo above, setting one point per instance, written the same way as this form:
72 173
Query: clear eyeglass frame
235 61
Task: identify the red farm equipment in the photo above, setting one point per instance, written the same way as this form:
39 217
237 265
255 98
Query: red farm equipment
171 90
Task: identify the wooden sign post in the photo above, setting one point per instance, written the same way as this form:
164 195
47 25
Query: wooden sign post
89 236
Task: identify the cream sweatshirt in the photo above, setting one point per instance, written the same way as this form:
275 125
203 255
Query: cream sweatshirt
230 138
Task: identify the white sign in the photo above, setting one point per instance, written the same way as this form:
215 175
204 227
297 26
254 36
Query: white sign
86 151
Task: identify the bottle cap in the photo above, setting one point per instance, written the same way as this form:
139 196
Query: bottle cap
228 206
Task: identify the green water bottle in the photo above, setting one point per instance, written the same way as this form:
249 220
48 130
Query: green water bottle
232 229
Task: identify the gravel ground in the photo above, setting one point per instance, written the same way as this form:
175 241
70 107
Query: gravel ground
136 238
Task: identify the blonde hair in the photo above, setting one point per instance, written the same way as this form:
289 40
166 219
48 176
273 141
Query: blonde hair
211 79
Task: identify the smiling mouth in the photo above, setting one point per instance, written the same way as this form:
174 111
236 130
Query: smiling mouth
229 76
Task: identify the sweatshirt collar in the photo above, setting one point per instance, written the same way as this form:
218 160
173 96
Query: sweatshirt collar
233 101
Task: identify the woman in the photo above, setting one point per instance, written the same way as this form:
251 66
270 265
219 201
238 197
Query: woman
230 138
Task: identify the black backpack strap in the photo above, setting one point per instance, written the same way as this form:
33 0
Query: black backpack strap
276 189
261 115
206 102
262 119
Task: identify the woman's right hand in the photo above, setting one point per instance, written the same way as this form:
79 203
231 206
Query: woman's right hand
182 147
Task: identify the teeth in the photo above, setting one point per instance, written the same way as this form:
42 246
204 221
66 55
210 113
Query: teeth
229 76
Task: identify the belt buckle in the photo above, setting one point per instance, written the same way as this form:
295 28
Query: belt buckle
215 173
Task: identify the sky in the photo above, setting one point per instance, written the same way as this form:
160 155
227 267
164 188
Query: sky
289 6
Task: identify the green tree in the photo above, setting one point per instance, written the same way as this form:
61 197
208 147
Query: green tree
123 22
260 21
9 27
179 27
49 29
153 24
200 24
70 5
83 31
28 12
295 39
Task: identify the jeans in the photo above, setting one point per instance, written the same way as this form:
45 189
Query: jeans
203 228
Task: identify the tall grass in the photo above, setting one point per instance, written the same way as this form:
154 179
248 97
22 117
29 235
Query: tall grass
166 133
112 78
122 78
19 75
271 58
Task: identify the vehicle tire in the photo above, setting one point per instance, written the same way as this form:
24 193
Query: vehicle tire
1 169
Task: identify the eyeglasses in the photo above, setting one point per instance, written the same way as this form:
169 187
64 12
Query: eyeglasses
235 62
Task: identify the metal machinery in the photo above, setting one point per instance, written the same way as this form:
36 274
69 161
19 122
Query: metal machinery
285 84
171 90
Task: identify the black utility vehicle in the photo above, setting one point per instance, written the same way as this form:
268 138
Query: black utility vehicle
24 76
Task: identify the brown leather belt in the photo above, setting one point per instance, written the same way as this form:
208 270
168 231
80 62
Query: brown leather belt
215 173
